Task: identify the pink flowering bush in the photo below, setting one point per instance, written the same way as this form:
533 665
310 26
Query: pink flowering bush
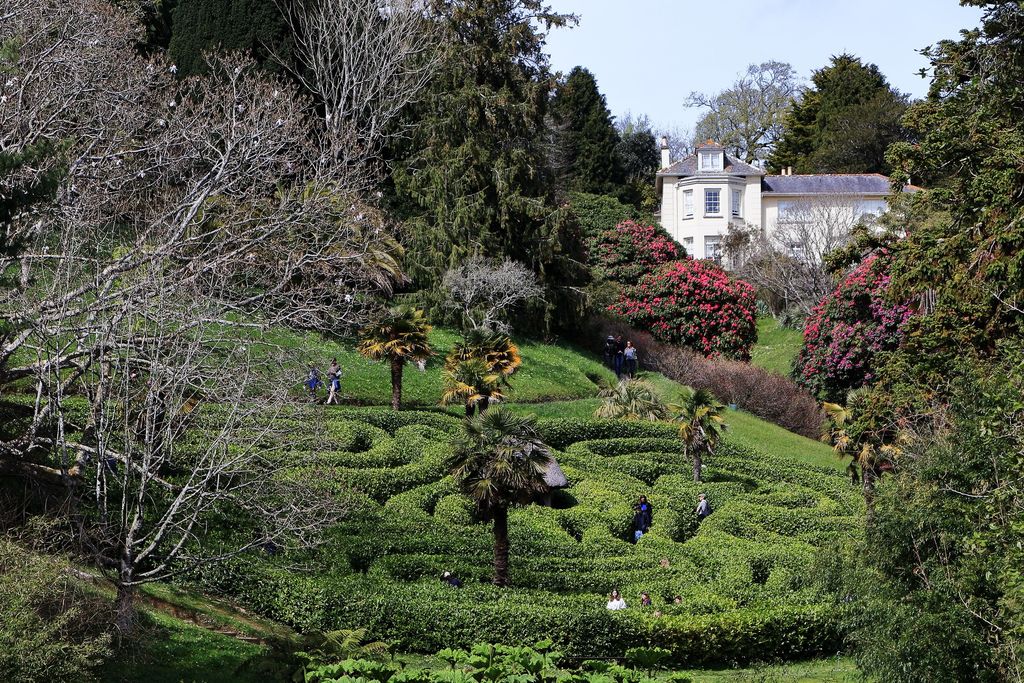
695 304
848 329
630 250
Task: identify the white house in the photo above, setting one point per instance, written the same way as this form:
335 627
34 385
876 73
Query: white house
705 192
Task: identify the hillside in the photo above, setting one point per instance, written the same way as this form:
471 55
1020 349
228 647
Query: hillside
776 346
743 577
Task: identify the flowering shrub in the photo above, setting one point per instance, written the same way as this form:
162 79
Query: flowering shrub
695 304
630 250
848 329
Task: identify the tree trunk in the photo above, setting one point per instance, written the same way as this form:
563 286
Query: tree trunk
697 464
500 547
484 404
396 382
470 409
125 615
867 478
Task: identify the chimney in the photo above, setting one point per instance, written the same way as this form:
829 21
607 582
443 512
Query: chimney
789 170
666 155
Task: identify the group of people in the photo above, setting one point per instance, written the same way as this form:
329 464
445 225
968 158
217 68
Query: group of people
643 514
313 382
620 356
617 602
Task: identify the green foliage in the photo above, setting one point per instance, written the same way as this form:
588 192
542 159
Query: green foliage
597 213
473 178
585 136
844 123
632 399
255 27
49 628
741 574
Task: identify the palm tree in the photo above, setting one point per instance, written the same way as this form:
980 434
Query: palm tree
700 425
499 462
398 337
632 399
472 383
497 350
865 455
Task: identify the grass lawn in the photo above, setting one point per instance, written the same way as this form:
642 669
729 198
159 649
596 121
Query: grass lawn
776 346
550 372
176 651
834 670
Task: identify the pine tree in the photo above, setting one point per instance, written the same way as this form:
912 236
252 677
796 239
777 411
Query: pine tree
586 134
844 123
474 177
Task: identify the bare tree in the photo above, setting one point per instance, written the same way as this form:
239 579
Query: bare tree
787 261
484 292
363 61
747 117
186 218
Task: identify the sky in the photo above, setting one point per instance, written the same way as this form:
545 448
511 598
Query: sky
648 55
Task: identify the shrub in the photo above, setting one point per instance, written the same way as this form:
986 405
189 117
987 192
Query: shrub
630 250
848 329
760 392
695 304
50 628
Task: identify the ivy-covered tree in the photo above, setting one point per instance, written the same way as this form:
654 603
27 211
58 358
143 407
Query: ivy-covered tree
586 135
473 177
844 123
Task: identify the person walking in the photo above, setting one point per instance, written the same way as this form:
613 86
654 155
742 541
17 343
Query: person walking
333 382
703 507
620 349
629 355
646 512
609 352
313 381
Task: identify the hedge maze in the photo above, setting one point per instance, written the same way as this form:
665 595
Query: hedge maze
744 574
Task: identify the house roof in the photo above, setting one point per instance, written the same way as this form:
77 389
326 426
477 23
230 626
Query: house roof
852 183
688 167
554 476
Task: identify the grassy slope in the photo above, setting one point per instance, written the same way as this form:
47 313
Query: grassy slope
776 346
549 372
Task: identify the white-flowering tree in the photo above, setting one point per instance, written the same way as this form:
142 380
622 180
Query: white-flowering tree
484 292
153 228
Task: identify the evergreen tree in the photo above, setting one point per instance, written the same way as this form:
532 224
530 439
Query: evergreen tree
844 123
586 134
255 27
474 177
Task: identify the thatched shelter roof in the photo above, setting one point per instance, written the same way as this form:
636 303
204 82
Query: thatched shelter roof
554 477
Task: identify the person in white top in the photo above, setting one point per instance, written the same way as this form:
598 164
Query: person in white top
615 601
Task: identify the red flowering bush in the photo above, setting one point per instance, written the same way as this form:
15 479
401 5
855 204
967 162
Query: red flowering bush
630 250
848 329
694 304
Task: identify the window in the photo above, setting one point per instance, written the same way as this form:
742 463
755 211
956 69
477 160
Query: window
713 248
712 202
735 202
787 210
710 161
688 204
688 243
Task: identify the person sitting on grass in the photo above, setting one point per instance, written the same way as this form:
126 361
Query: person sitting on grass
615 601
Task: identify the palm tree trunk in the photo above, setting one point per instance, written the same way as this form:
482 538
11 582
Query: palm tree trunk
697 464
397 363
484 404
470 409
867 478
500 547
